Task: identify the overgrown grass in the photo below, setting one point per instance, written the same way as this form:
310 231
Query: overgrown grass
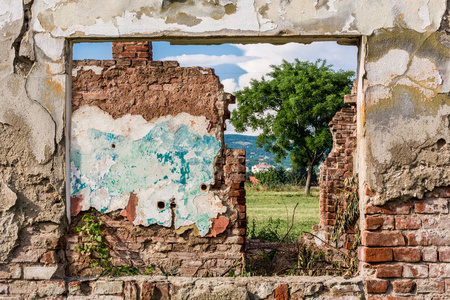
269 211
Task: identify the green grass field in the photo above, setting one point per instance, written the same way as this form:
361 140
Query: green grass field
269 212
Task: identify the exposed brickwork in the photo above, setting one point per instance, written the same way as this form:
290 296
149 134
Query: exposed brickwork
132 53
338 166
419 241
152 90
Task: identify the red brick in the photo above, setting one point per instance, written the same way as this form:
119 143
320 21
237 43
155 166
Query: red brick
407 222
376 286
136 48
415 271
375 254
49 257
374 223
429 254
444 254
147 291
440 270
389 271
403 286
430 221
237 193
407 254
418 239
432 206
442 192
241 208
390 208
430 286
383 239
130 290
282 292
126 54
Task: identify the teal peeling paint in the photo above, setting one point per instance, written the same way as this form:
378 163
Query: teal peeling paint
173 163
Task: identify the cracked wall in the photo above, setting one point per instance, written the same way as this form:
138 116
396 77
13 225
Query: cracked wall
403 111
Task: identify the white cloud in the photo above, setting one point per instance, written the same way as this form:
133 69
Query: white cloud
229 85
264 55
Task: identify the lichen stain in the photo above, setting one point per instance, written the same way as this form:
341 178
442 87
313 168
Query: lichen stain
47 21
230 8
3 67
55 91
78 33
322 3
219 225
421 44
263 10
182 18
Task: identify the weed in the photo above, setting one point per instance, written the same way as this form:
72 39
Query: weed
95 248
348 218
98 252
149 271
171 272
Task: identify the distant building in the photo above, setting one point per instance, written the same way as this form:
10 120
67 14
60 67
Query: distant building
261 167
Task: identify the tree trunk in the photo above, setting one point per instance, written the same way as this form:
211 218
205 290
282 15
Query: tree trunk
308 180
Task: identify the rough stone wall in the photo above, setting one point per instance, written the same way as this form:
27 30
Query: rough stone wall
153 90
336 167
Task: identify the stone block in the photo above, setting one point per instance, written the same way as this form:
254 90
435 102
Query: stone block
108 287
41 272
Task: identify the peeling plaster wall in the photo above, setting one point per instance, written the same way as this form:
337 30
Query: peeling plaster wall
406 113
403 111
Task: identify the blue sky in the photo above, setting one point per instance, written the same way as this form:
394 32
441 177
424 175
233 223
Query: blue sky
235 64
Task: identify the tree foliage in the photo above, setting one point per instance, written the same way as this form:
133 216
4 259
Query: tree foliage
292 108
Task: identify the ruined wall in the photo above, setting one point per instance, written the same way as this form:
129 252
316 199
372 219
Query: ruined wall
403 106
148 158
337 166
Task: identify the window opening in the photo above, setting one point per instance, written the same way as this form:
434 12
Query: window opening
272 211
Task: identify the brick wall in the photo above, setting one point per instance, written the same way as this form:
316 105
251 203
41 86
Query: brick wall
132 53
133 84
338 166
406 248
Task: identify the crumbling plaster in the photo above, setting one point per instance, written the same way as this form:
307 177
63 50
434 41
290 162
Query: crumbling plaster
404 113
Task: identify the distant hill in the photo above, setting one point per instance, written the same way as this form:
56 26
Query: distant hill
254 155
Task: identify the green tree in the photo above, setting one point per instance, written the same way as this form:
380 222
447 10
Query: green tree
293 108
